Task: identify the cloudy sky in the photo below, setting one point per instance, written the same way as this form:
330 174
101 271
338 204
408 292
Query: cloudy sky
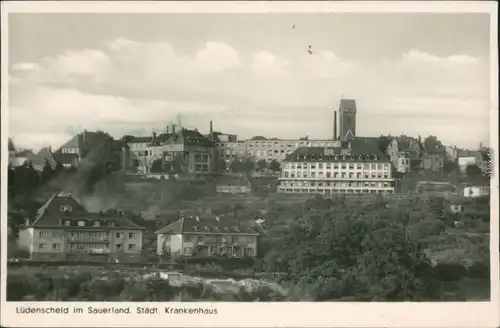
249 73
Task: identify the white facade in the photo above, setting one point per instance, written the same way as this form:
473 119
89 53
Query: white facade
208 244
336 177
476 191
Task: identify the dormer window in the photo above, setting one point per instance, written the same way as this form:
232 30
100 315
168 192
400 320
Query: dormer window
67 223
206 228
81 223
111 223
65 208
195 228
97 223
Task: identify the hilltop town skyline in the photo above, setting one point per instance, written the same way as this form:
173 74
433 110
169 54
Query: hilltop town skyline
201 68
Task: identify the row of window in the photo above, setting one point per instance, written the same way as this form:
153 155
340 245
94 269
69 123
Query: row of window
201 157
200 168
335 184
85 235
334 191
82 223
70 150
336 175
220 239
218 251
335 166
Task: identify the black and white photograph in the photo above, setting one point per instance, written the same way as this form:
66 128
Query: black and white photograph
338 157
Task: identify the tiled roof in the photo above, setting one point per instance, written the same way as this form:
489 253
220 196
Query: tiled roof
133 139
75 142
365 145
320 154
206 225
347 104
50 215
44 154
190 137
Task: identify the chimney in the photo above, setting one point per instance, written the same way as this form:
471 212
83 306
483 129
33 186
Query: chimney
166 129
154 137
197 219
27 221
211 127
335 125
217 218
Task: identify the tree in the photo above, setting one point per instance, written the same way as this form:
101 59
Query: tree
274 166
473 171
236 166
261 165
59 168
157 166
248 166
259 138
46 172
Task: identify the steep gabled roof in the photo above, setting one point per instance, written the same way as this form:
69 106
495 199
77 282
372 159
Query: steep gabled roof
75 142
206 225
45 154
190 137
51 214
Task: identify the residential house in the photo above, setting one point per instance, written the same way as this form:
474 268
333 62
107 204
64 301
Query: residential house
67 160
44 156
358 167
185 150
405 153
233 185
468 157
207 236
63 230
433 158
77 145
477 190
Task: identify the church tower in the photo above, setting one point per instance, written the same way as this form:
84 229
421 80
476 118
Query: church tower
347 118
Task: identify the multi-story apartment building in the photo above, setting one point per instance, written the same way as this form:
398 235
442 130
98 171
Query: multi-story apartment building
183 151
278 149
207 236
405 153
356 168
64 230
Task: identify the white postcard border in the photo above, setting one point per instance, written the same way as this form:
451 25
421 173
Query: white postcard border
301 314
